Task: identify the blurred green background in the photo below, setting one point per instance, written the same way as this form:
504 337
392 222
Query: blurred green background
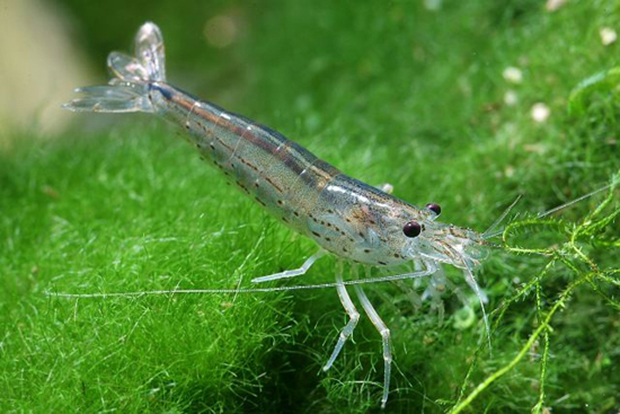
458 102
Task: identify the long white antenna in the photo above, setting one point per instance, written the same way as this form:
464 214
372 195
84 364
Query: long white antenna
415 275
488 235
575 201
500 219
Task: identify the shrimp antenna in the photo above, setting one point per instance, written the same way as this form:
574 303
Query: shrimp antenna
488 233
575 201
414 275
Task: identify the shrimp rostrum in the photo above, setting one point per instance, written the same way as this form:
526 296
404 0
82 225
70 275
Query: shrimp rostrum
353 221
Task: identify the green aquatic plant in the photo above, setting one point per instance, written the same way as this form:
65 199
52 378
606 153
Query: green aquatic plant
573 254
606 81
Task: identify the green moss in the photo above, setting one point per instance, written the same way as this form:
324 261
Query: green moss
388 93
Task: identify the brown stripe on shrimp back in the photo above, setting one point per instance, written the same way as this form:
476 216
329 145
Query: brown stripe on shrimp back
283 175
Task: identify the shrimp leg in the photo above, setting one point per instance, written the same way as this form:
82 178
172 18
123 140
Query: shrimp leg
354 317
294 272
386 188
385 335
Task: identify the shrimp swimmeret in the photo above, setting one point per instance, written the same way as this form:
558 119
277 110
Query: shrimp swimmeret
347 218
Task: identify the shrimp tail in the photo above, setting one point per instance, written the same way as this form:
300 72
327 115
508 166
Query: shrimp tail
128 89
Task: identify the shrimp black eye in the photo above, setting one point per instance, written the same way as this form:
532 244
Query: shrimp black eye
412 229
435 208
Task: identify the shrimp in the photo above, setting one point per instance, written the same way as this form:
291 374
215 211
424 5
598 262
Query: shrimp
348 219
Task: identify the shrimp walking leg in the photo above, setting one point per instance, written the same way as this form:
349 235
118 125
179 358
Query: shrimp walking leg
292 273
385 335
354 317
386 187
482 298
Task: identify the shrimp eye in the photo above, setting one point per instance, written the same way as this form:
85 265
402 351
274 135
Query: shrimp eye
435 208
412 229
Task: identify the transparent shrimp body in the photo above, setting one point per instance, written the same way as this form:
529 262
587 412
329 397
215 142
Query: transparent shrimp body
352 220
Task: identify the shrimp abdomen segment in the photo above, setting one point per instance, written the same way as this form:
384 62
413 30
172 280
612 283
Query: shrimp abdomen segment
279 174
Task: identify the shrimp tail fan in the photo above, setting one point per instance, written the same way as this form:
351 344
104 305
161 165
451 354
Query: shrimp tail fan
128 89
